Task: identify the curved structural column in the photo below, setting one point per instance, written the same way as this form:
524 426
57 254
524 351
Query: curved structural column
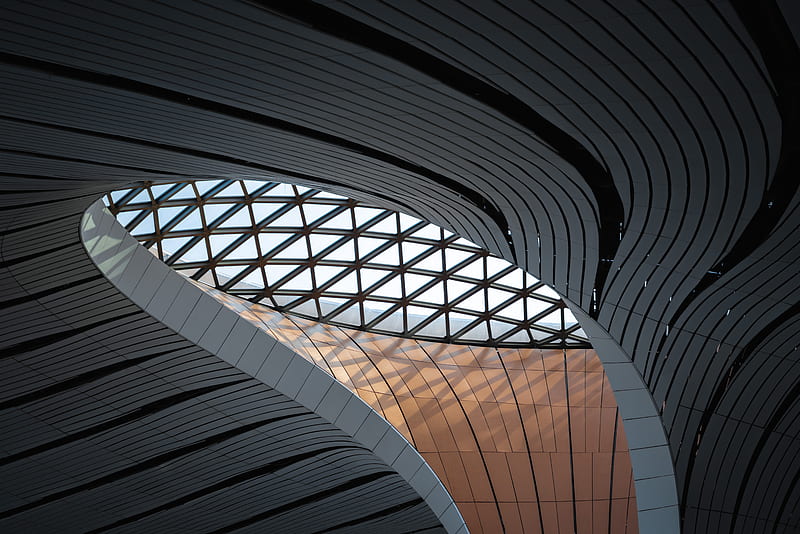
341 467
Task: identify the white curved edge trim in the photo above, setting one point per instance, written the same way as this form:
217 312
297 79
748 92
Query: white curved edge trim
170 298
651 460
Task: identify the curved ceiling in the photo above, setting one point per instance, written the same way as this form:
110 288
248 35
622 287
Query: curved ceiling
640 158
326 257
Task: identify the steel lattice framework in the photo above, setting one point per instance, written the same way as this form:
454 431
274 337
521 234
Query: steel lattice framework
337 260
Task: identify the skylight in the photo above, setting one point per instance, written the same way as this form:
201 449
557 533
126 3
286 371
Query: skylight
336 260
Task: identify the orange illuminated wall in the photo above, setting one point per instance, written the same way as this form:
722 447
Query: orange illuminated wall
525 440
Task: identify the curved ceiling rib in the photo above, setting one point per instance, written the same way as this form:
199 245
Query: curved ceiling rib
685 110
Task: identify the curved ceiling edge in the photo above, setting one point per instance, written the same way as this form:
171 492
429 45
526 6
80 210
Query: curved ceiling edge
203 321
651 460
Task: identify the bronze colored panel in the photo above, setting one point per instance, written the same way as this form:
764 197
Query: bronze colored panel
455 469
582 467
577 423
550 519
490 518
500 475
512 521
477 477
482 417
544 476
583 516
519 465
561 463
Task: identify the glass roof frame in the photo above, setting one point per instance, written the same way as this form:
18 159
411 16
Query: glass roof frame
281 245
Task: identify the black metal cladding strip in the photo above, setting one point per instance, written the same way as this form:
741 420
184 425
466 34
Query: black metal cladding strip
39 224
85 161
598 179
781 55
131 85
80 380
143 465
787 495
377 515
44 202
788 401
437 529
50 178
39 255
222 485
138 413
30 345
271 169
310 499
719 393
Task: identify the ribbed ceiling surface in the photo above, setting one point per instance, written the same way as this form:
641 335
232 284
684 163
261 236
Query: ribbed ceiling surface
639 157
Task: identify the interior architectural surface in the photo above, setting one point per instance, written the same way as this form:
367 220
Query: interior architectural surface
638 157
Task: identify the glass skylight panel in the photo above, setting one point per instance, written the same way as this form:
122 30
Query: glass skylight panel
263 211
198 252
191 222
413 250
320 242
472 270
475 302
167 214
344 252
364 215
174 244
385 226
300 281
215 211
270 241
315 212
204 186
185 193
453 257
312 267
349 315
455 288
342 221
220 242
370 277
392 288
431 263
415 281
390 256
325 273
434 295
277 274
240 219
407 221
374 308
329 304
142 197
478 333
245 251
348 284
145 226
496 265
428 231
125 217
297 250
159 190
368 244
